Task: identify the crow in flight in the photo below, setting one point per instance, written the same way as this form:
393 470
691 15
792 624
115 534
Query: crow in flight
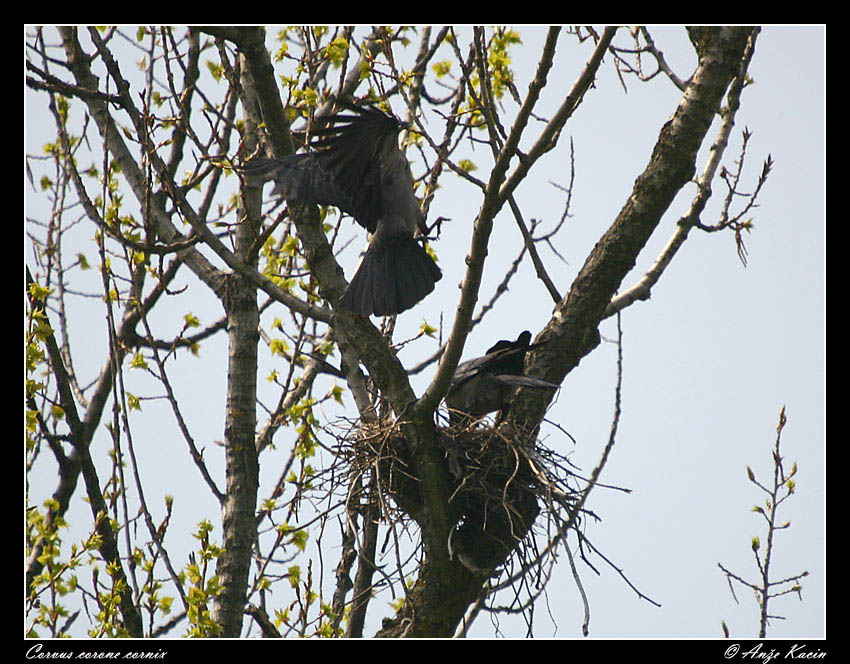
358 167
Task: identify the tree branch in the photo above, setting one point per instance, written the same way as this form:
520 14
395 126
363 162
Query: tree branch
572 331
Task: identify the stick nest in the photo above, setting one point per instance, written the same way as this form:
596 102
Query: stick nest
500 483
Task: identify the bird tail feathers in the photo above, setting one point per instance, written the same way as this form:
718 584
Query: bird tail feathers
394 274
526 381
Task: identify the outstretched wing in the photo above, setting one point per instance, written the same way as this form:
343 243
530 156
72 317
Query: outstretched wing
344 170
297 177
354 151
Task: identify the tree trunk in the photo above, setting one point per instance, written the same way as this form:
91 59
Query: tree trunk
242 466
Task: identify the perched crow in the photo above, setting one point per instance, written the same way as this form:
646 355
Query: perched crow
357 167
484 385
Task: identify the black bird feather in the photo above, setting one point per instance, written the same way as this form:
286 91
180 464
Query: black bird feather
484 385
357 167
